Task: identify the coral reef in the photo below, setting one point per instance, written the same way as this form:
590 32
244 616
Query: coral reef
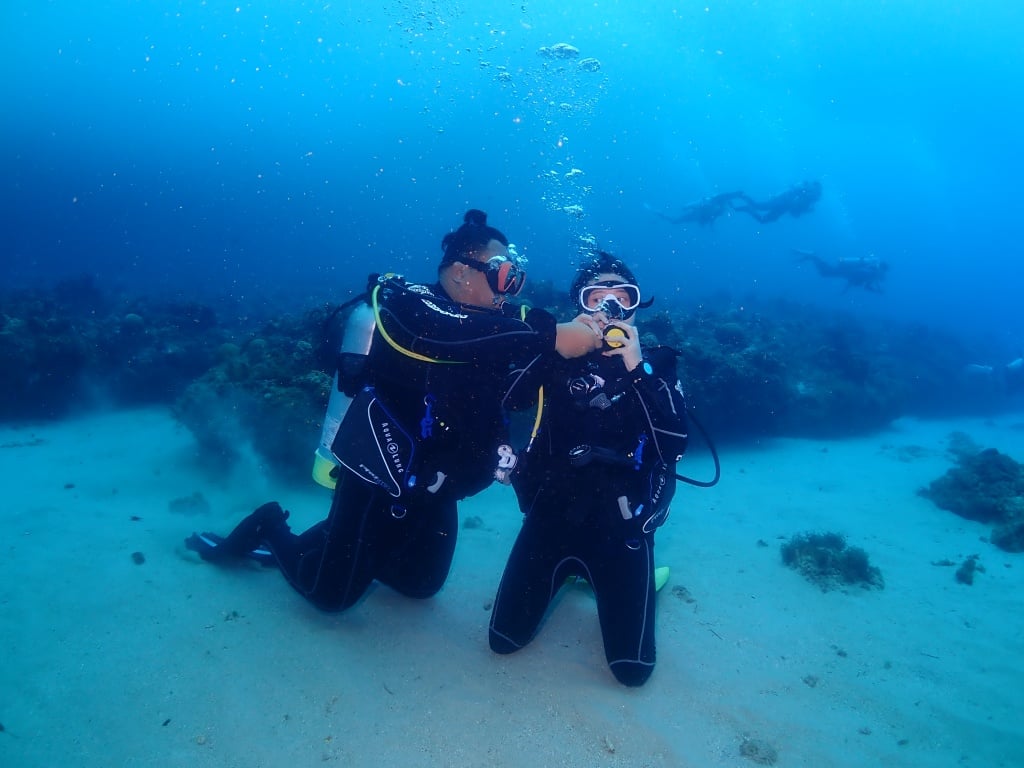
965 573
825 559
751 369
1009 536
780 368
961 446
985 486
267 394
783 369
759 751
73 346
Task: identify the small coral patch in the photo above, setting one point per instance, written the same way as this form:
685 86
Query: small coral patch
824 559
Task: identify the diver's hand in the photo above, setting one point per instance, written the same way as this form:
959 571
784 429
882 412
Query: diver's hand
578 338
628 346
596 321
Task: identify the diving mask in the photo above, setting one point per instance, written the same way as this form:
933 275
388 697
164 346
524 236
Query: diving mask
506 276
618 301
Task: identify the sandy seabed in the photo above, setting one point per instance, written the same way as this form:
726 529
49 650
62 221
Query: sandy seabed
170 661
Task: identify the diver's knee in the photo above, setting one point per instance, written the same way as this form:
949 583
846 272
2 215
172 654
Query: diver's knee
632 673
419 585
418 591
501 644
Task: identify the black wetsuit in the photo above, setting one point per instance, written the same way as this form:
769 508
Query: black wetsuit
796 201
632 427
705 211
408 542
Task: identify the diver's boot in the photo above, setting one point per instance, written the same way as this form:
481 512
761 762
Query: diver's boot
245 540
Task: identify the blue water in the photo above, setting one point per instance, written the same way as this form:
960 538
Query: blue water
277 152
285 149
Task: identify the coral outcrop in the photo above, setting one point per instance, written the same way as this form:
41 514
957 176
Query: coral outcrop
986 486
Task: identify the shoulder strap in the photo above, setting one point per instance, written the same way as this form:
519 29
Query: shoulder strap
375 303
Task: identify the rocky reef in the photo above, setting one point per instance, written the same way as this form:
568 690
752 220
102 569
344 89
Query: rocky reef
750 369
985 486
825 560
73 347
267 393
781 368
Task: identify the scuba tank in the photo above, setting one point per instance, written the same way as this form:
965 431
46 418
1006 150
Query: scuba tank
355 342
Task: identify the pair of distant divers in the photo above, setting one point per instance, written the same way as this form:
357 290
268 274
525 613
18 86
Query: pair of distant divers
1007 379
795 201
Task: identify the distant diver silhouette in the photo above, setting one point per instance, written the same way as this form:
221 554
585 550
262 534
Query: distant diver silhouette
796 201
704 211
1009 377
865 272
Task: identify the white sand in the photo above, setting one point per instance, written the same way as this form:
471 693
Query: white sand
176 662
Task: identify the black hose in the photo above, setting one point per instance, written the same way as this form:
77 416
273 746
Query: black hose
714 456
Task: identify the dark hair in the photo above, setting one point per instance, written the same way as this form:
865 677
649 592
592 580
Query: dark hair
472 237
599 262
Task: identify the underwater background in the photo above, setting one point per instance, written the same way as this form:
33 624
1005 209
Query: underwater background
189 189
277 152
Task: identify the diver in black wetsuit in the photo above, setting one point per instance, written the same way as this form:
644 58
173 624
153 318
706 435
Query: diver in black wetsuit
704 211
1008 378
865 272
597 479
429 395
796 201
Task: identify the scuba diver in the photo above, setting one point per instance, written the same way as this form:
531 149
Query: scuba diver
597 477
1013 375
704 211
796 201
865 272
1008 378
422 426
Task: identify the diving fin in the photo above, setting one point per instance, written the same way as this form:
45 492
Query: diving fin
209 546
661 575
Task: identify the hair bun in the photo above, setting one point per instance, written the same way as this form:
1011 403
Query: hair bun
475 216
472 237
